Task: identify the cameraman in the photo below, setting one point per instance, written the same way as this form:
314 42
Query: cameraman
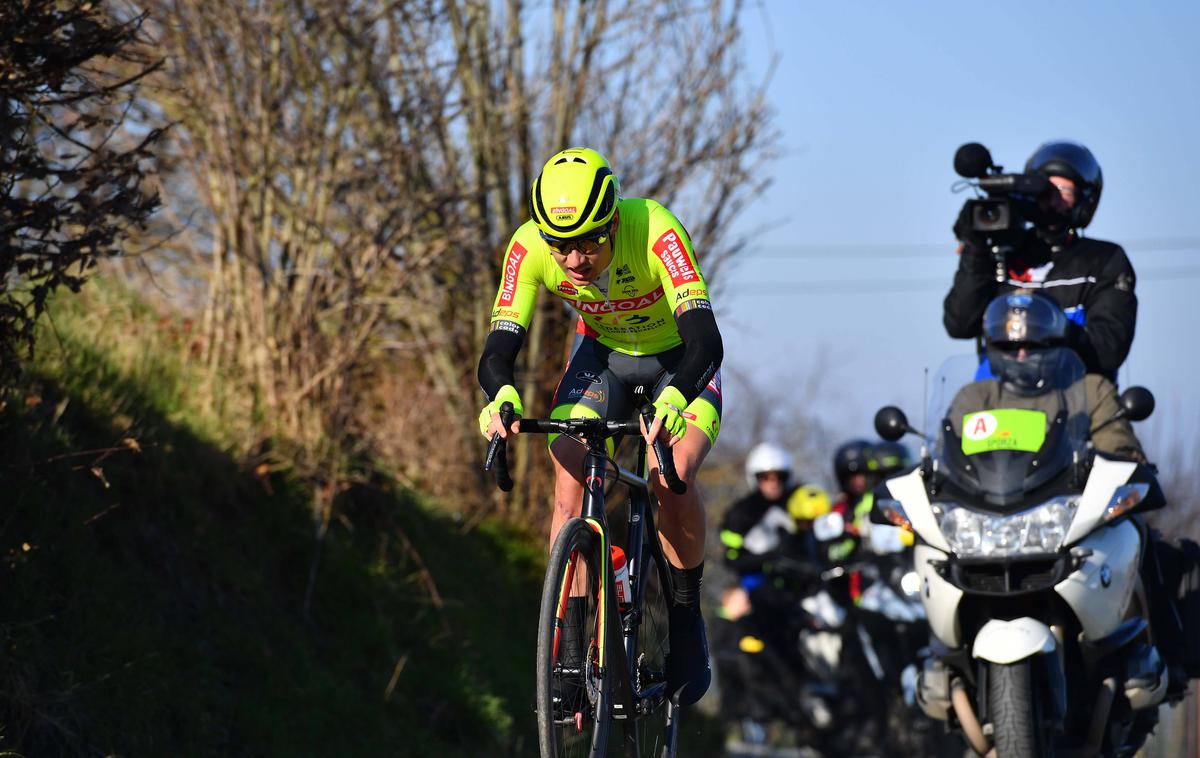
1090 279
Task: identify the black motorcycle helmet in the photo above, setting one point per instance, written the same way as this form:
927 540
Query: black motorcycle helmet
1024 320
890 458
851 458
1075 162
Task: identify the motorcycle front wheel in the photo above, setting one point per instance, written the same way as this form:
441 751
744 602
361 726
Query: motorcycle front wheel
1019 728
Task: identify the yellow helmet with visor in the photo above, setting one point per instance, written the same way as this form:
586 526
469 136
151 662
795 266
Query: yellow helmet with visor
574 197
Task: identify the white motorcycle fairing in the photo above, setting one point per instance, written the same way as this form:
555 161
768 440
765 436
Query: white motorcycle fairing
941 598
1103 480
909 490
1099 590
1007 642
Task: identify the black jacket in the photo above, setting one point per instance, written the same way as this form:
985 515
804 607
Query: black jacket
1090 279
756 531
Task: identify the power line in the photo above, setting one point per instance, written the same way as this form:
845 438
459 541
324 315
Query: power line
932 250
907 285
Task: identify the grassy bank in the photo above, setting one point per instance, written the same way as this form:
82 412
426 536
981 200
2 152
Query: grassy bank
153 586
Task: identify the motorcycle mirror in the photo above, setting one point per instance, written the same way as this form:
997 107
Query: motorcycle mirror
1137 403
891 423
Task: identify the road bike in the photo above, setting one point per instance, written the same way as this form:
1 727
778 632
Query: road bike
620 673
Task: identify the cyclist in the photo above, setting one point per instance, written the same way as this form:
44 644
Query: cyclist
627 266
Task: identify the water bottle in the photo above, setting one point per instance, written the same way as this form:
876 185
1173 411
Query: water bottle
621 573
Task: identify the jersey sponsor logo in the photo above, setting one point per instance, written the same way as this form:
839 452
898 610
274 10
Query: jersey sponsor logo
512 267
624 304
629 290
506 326
714 384
506 313
690 292
692 305
589 376
670 251
590 394
562 209
638 319
566 288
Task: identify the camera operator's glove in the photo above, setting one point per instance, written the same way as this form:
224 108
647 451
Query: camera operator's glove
506 394
669 407
973 241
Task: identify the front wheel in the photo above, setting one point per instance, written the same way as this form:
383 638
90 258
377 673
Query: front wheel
572 687
1018 724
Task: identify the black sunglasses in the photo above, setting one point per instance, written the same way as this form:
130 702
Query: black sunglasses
586 243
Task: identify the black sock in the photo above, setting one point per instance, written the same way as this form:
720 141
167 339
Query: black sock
687 585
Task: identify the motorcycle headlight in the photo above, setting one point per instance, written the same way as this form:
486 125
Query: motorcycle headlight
1037 530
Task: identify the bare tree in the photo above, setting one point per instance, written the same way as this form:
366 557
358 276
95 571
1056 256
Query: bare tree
349 172
72 171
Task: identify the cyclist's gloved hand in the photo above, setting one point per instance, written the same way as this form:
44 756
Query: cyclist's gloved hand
669 407
506 394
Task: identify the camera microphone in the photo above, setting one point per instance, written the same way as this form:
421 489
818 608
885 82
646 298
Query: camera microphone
972 161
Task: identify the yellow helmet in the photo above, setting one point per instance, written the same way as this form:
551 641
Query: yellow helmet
808 502
575 193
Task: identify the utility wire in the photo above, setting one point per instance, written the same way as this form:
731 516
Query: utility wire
931 250
906 285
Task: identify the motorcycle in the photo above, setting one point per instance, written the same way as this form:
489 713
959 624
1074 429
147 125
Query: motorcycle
1028 548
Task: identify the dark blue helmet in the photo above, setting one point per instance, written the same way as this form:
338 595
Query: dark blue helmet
1075 162
1023 333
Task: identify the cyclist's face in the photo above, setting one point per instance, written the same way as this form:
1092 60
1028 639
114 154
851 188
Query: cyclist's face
583 267
585 261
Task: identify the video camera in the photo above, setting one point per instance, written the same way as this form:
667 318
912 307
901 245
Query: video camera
1012 199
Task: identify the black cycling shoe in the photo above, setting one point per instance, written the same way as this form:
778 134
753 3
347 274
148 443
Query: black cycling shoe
688 670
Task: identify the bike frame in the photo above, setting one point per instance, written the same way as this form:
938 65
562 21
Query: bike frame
626 702
621 699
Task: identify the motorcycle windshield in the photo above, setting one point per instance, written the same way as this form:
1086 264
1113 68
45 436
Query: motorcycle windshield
998 440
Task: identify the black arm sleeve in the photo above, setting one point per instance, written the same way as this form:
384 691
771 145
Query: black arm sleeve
1110 315
703 352
499 358
974 287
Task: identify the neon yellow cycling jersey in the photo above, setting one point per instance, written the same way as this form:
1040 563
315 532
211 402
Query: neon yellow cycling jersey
632 306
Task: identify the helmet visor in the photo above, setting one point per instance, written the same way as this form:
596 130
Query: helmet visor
585 243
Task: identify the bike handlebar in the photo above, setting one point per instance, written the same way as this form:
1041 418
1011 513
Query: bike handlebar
497 456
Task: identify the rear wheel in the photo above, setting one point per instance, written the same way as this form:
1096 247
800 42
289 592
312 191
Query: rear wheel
650 656
1015 709
572 691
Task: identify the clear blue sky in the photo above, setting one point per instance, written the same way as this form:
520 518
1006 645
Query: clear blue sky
854 256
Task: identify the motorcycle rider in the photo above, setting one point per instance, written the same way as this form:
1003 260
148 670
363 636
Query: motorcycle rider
1023 333
854 469
761 531
1091 280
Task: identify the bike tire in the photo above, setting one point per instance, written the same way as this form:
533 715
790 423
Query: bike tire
577 727
653 735
1014 707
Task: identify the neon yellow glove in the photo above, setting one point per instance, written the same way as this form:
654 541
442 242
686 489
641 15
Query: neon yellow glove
669 407
506 394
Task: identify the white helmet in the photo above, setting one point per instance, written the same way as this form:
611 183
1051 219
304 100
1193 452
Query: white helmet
766 456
